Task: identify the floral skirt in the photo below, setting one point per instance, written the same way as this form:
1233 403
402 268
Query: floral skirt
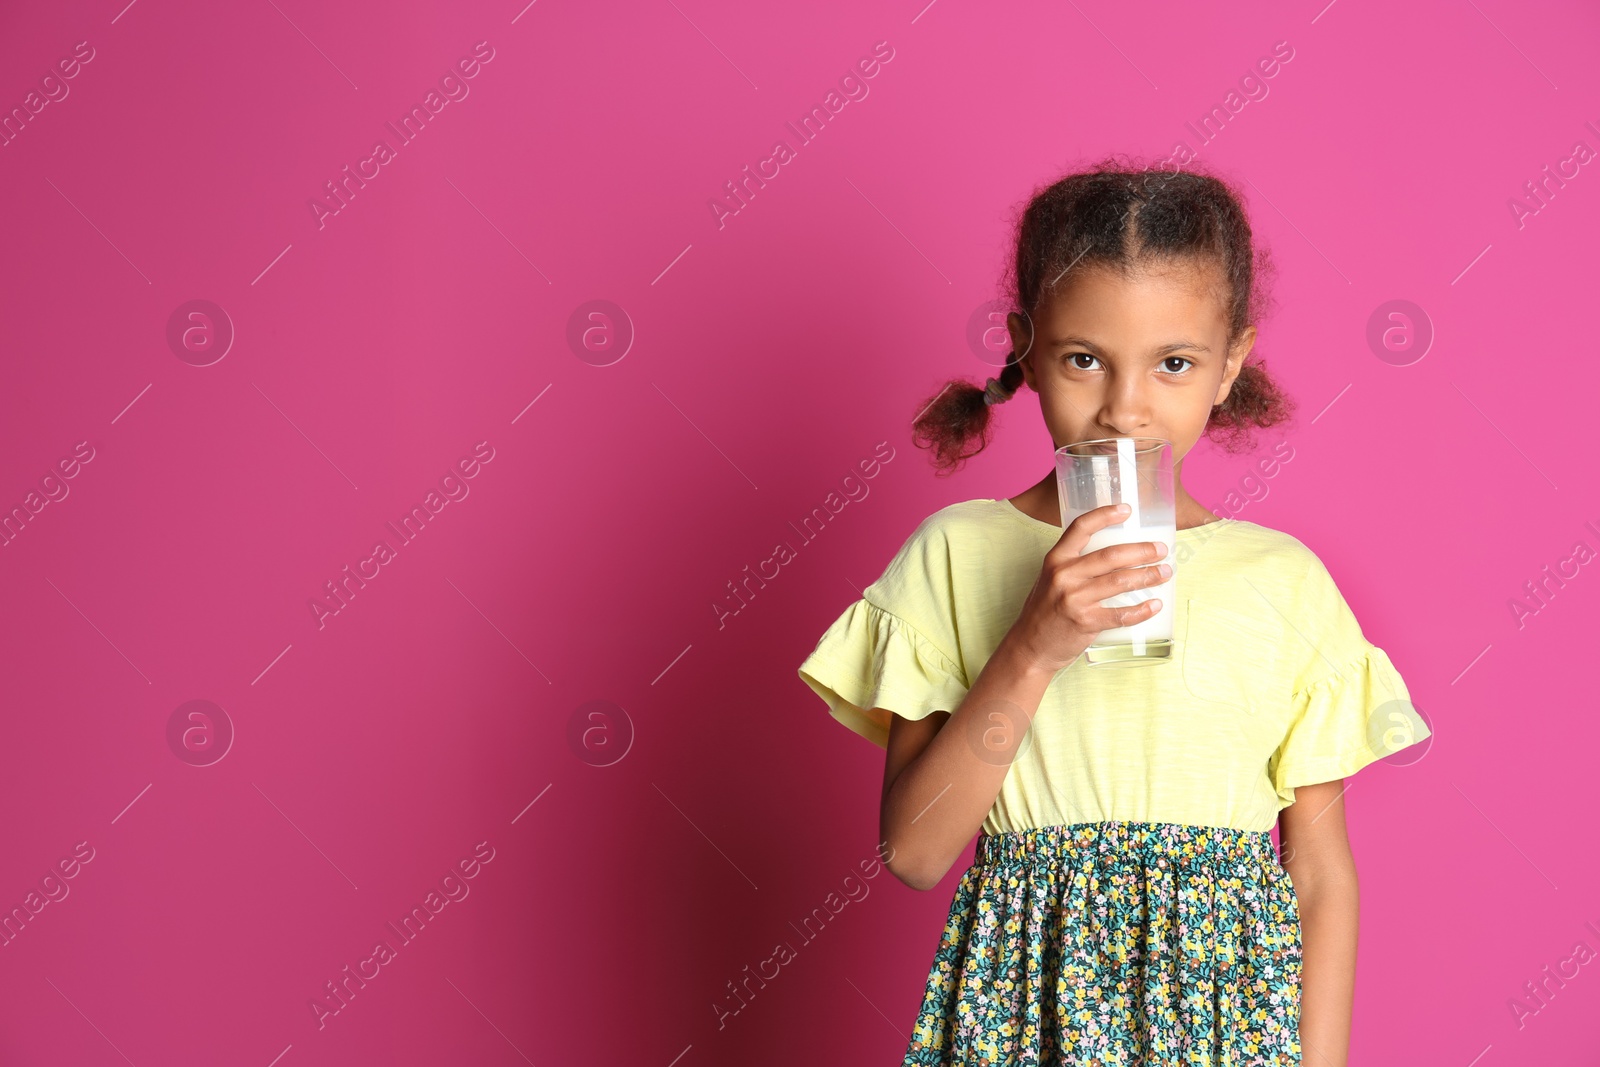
1116 944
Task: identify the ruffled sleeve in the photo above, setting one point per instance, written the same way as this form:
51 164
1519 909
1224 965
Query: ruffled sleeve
1341 723
1349 706
871 662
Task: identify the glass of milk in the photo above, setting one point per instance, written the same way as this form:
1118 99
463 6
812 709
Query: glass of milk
1136 471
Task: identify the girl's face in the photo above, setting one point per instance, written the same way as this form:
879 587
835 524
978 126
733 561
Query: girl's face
1142 356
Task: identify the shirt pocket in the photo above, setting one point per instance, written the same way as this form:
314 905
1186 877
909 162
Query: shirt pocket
1229 657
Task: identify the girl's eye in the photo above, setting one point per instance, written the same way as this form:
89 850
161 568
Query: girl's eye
1183 364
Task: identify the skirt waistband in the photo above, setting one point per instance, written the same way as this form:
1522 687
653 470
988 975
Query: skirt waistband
1130 843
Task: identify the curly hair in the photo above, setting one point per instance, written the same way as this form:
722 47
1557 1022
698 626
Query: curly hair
1117 217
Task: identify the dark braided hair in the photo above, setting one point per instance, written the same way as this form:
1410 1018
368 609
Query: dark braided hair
1120 218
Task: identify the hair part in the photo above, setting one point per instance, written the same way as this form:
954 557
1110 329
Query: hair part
1123 219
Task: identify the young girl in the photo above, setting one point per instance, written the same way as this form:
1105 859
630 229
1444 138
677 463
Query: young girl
1125 904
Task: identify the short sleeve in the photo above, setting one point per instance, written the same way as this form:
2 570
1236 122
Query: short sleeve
871 662
1349 706
898 648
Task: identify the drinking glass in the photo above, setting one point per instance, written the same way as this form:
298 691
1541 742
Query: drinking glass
1136 471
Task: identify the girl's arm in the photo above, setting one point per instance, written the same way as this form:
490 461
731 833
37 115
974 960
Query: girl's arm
942 772
1316 853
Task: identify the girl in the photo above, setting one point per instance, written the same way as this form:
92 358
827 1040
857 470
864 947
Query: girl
1125 904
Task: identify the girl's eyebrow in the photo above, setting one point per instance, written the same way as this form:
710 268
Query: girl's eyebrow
1169 347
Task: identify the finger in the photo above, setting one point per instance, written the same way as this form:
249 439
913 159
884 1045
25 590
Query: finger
1114 557
1123 580
1131 615
1076 535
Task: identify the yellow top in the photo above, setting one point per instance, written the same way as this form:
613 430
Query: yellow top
1270 685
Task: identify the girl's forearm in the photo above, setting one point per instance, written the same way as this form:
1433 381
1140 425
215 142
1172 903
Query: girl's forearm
942 797
1329 908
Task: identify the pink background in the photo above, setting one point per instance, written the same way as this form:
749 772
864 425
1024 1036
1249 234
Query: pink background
448 703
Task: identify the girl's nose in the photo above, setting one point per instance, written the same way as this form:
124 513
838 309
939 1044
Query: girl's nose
1126 413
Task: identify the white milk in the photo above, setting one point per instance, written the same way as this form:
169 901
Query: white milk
1159 625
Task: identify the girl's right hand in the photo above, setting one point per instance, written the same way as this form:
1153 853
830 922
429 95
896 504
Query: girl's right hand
1063 614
